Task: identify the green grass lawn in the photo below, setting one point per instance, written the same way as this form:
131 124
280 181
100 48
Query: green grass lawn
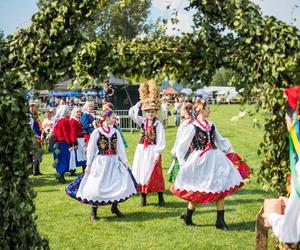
67 225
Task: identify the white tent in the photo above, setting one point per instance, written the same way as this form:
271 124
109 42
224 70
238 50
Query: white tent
203 92
186 91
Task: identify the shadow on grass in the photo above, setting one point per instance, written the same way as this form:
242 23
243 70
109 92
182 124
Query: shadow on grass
242 226
143 216
243 191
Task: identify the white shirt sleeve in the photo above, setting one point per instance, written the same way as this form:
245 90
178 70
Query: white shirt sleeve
184 143
178 135
223 143
160 140
134 114
121 149
92 147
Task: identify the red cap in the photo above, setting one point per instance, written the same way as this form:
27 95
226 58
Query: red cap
292 94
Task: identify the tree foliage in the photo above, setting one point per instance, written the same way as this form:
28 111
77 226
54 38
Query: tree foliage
117 19
223 77
18 228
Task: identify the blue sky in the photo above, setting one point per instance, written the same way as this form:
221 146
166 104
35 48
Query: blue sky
17 13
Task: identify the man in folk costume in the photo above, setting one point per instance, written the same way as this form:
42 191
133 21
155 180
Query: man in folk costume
87 120
78 155
287 226
207 175
147 163
37 128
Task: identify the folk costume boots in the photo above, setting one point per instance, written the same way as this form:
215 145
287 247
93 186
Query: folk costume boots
94 213
220 223
187 217
161 201
115 210
143 200
36 169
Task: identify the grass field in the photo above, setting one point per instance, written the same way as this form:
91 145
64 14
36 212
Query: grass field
66 222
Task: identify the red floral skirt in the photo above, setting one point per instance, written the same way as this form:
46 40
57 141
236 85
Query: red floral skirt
206 198
156 182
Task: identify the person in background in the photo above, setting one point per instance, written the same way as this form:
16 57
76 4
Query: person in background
187 113
287 226
87 120
116 124
63 145
177 110
37 128
48 124
164 111
78 155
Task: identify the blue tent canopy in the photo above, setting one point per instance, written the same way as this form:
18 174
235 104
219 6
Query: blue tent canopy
90 93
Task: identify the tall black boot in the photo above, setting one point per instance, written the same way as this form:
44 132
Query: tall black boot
187 217
36 168
83 169
115 210
94 213
161 201
143 200
220 223
61 178
72 173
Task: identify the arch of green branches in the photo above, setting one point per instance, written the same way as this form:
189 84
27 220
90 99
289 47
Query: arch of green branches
263 50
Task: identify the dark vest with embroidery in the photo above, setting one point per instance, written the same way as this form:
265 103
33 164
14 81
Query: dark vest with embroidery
107 146
150 134
201 138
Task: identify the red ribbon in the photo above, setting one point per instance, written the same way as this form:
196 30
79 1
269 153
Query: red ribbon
110 152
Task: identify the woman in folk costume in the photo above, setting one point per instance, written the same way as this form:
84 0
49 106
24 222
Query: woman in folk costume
63 145
87 120
287 226
147 163
107 179
78 155
206 175
187 113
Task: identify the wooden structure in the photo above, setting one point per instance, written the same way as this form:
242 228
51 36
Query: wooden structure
261 242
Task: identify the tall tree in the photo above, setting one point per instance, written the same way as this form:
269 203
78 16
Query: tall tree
118 19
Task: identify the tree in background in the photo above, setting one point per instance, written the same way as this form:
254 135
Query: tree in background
118 19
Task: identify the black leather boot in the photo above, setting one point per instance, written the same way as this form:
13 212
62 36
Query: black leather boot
220 223
61 178
143 200
94 213
115 210
187 217
161 201
36 169
72 173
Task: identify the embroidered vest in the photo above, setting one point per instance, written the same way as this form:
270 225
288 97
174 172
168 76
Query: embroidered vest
202 138
107 146
150 134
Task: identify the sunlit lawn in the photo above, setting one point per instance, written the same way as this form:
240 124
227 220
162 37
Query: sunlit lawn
66 222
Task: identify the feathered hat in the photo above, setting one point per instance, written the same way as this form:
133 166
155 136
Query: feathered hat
149 96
